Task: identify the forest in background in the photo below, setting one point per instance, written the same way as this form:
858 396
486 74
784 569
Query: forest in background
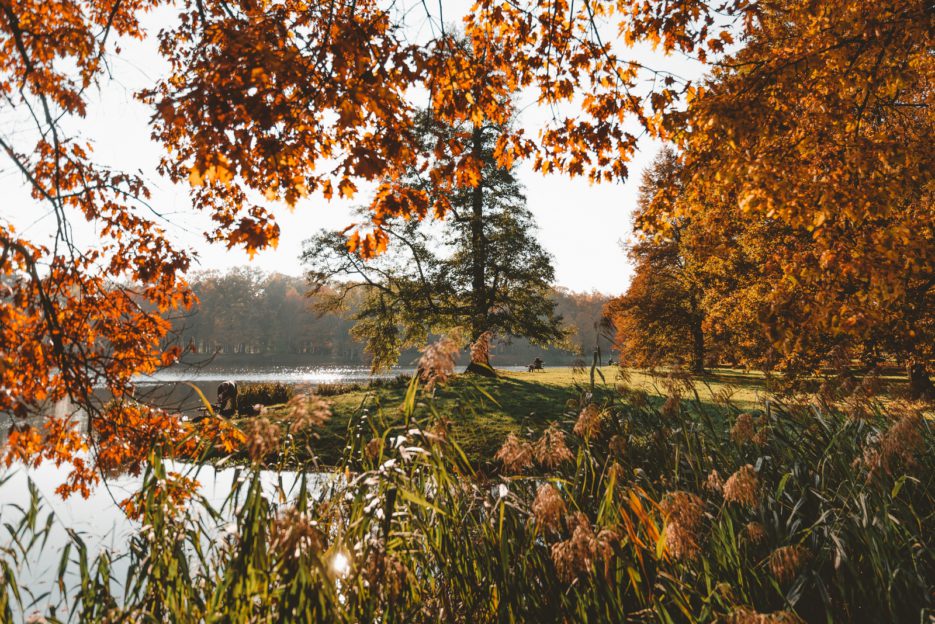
245 314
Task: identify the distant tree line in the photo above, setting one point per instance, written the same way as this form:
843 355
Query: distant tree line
247 313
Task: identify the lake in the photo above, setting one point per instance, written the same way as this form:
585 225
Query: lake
171 388
100 523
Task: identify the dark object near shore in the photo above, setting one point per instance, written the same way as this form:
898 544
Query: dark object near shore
227 399
536 365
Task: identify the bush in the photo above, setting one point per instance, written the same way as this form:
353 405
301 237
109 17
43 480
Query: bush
334 389
250 394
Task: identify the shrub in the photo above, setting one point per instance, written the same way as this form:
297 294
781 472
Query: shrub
334 389
250 394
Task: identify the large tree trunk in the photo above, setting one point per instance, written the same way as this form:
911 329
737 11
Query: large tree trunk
478 263
920 384
697 339
697 349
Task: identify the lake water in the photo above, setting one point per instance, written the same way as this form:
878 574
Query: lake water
171 388
98 519
100 523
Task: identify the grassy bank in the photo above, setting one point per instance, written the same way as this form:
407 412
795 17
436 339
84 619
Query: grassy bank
483 411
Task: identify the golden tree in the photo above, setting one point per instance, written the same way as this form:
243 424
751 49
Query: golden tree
823 114
819 130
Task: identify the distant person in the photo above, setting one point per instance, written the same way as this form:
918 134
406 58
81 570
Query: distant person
536 365
227 399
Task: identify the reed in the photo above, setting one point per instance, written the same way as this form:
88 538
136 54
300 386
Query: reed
620 511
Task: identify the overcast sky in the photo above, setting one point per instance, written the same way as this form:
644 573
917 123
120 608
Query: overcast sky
581 225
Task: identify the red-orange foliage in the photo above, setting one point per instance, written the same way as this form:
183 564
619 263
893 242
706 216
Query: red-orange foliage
279 100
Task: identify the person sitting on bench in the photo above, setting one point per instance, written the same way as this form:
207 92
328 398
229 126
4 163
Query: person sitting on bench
536 365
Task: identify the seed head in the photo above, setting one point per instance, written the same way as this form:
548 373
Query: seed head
897 447
786 562
307 411
743 487
550 450
577 555
292 533
589 421
670 409
683 512
515 454
745 615
618 445
385 573
743 429
548 508
263 438
714 482
755 532
437 363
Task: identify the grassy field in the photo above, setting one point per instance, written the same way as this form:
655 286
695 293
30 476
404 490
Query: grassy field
483 411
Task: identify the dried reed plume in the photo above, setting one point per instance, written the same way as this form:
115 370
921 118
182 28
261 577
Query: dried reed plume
897 447
618 445
292 533
385 573
549 507
744 615
714 483
670 409
307 411
577 554
589 421
743 429
743 487
755 532
515 454
786 562
437 363
683 513
263 437
550 450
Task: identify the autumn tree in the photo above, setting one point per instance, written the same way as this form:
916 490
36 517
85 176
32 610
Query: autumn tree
481 270
660 319
817 132
820 116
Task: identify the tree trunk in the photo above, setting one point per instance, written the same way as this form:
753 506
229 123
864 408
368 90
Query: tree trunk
697 343
920 384
479 368
478 262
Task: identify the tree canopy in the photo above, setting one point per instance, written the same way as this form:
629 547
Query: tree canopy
815 119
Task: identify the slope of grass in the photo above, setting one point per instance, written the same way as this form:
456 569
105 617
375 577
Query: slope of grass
483 411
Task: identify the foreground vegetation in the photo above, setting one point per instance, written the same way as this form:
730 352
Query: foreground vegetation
515 402
612 508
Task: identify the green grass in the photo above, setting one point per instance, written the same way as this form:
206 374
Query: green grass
483 411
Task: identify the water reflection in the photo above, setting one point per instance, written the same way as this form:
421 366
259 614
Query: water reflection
100 523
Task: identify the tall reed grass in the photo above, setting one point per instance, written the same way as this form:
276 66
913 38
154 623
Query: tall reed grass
619 512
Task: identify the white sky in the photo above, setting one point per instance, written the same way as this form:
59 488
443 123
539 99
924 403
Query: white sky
580 224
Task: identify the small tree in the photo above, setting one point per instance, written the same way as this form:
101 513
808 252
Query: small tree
480 269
